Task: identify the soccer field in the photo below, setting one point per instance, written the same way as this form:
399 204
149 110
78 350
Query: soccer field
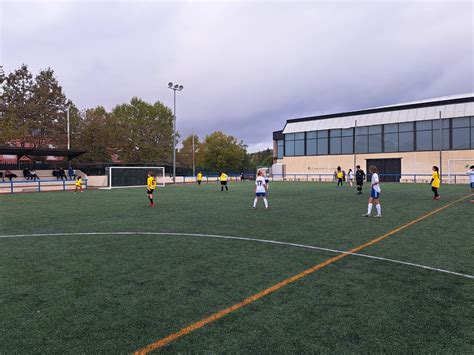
103 272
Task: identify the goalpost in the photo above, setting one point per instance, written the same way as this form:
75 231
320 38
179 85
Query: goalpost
134 176
459 167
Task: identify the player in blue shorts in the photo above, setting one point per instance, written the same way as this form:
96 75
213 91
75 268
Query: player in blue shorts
260 189
374 193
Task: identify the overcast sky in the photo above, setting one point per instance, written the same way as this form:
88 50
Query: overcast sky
246 66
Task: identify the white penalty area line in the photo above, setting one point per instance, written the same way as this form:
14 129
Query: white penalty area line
335 251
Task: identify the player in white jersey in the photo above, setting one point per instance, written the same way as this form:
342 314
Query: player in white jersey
260 189
374 193
471 179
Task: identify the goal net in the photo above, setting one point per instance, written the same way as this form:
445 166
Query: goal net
125 176
457 169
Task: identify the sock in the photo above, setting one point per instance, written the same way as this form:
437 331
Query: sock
379 209
265 202
369 208
222 188
226 188
255 202
151 201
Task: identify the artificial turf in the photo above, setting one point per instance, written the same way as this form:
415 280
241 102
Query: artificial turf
118 293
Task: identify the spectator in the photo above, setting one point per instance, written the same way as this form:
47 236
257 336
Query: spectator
62 174
56 173
33 175
26 174
9 175
242 176
1 176
71 173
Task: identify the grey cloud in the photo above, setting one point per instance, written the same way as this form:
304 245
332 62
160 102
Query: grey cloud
246 66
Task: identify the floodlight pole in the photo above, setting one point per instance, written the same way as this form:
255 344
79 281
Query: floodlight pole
68 130
355 154
194 164
440 147
174 88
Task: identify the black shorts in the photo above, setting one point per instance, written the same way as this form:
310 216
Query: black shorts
150 192
359 182
223 183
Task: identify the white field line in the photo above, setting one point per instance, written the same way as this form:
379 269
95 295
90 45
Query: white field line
335 251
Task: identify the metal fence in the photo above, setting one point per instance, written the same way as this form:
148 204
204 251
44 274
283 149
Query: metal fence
37 186
401 178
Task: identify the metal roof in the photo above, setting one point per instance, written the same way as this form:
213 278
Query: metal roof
450 106
41 152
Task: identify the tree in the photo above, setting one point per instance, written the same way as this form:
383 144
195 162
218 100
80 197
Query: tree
95 132
261 158
19 107
223 152
143 131
35 109
185 154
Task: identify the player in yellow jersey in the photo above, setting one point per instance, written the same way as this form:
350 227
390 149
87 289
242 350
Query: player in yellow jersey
435 182
199 178
151 186
223 177
339 175
78 184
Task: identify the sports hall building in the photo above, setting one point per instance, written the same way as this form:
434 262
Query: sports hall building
403 139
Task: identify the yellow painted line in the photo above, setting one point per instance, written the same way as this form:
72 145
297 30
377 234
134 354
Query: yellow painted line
212 318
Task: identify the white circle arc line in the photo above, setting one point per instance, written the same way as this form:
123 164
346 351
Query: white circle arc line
296 245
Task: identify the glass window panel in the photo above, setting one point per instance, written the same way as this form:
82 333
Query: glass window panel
299 135
347 132
311 147
362 130
424 125
472 137
424 140
289 136
406 142
281 142
323 134
472 122
375 129
375 143
299 147
310 135
390 128
335 132
289 148
390 141
335 145
280 152
445 124
322 146
362 144
437 139
347 145
405 127
460 122
461 139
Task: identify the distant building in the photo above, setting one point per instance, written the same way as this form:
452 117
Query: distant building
398 139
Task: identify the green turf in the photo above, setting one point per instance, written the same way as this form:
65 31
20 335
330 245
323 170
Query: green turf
118 293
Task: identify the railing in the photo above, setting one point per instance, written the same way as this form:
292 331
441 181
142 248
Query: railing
402 178
37 185
205 179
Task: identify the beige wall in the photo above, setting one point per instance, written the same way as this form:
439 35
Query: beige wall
412 162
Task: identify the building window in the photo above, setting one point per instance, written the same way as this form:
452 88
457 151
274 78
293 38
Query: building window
311 143
280 148
299 143
461 133
406 137
289 144
335 141
323 143
362 140
390 137
424 135
348 141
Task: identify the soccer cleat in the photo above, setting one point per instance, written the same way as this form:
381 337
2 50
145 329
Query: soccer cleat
366 215
378 216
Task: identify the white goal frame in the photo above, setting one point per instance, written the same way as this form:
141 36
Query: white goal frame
449 167
110 187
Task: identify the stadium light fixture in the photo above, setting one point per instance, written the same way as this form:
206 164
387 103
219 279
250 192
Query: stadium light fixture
175 88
